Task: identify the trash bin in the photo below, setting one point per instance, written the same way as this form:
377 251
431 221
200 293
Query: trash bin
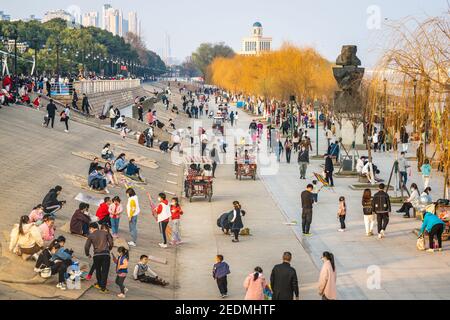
347 164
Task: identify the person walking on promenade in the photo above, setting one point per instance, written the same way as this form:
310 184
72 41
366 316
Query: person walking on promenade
254 284
102 242
403 166
288 149
327 278
426 172
369 219
133 211
435 227
381 206
404 139
220 271
140 110
329 168
65 114
342 212
283 280
236 220
51 112
303 161
307 198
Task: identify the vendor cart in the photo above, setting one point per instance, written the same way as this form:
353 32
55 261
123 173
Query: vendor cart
245 162
198 180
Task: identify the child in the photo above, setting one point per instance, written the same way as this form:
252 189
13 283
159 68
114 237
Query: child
142 268
315 191
220 271
121 269
426 172
176 211
342 211
115 209
103 212
123 132
36 215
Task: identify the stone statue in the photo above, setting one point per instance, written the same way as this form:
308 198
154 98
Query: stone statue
348 76
348 57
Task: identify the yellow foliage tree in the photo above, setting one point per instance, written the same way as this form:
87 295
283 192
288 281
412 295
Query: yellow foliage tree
302 72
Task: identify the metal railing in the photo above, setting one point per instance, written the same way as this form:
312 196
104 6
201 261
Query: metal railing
99 86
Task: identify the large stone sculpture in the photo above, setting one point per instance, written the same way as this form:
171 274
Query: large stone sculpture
347 100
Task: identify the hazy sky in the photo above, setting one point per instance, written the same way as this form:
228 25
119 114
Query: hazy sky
324 24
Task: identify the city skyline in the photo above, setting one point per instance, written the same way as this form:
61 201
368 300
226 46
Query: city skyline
362 23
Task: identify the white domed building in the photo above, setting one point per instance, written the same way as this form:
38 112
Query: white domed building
256 43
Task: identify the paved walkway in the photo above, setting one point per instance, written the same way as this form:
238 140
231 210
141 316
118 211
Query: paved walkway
405 272
270 238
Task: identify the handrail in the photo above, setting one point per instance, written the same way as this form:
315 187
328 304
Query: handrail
99 86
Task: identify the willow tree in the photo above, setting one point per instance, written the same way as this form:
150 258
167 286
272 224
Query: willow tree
415 69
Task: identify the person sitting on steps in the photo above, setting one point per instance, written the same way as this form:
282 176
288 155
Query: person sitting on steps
133 171
97 180
144 274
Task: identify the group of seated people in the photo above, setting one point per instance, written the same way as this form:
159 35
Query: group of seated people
100 177
363 168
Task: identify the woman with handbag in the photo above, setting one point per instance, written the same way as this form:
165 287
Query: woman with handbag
435 227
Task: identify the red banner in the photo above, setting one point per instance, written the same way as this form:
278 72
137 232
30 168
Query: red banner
123 68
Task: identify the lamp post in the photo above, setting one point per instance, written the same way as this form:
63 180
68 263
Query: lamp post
427 106
58 44
316 108
384 107
13 36
415 104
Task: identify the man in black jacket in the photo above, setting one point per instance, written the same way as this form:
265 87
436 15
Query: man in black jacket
51 112
85 104
329 168
283 280
381 205
102 242
303 161
51 203
307 209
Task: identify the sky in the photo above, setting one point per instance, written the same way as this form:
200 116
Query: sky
325 25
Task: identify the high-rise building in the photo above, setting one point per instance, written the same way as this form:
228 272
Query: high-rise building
133 23
256 43
104 18
114 21
58 14
90 19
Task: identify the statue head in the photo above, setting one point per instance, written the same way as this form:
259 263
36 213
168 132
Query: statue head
348 56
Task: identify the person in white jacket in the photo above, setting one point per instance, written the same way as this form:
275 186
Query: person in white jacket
133 211
25 238
411 202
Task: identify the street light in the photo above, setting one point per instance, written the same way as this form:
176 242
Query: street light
58 44
427 106
415 104
383 108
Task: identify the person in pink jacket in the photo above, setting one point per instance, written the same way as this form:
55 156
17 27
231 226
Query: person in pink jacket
327 279
37 214
47 228
255 284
